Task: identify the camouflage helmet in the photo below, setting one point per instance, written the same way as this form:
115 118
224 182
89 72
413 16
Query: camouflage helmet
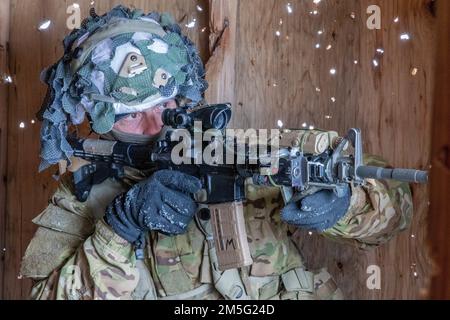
120 63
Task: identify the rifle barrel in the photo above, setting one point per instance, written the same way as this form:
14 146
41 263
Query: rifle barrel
405 175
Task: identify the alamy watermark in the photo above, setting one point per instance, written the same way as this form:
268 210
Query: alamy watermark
374 280
230 147
374 20
74 17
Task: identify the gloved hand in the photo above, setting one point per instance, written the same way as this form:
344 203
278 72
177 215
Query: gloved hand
319 211
162 203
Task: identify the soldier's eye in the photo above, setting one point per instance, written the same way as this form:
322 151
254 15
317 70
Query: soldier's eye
132 117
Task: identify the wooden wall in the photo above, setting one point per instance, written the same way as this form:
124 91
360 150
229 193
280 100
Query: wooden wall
268 77
440 155
4 36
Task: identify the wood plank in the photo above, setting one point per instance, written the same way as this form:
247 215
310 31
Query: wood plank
28 191
23 186
440 158
220 69
277 77
4 38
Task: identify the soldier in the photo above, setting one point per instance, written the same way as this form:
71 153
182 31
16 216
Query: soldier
121 70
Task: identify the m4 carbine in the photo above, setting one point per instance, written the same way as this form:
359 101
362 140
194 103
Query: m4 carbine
302 160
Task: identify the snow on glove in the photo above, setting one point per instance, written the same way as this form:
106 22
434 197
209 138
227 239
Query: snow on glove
319 211
164 203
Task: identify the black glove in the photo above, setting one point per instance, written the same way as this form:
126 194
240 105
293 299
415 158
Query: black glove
162 203
319 211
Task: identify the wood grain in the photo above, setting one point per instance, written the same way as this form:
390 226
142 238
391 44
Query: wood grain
439 229
32 51
277 77
4 38
220 69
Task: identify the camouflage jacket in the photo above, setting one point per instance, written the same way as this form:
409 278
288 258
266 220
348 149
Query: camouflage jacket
75 255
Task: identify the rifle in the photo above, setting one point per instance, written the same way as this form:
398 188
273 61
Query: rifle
304 159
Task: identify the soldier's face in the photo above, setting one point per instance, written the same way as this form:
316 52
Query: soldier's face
148 122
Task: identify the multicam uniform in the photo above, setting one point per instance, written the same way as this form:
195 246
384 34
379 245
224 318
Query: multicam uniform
76 255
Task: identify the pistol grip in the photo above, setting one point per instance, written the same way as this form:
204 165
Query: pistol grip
230 236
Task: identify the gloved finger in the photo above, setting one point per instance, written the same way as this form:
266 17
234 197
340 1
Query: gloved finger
292 214
174 217
316 215
322 218
179 181
123 206
327 215
136 203
318 200
180 202
118 218
324 198
158 222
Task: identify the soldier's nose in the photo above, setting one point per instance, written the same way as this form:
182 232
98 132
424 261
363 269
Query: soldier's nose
152 122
